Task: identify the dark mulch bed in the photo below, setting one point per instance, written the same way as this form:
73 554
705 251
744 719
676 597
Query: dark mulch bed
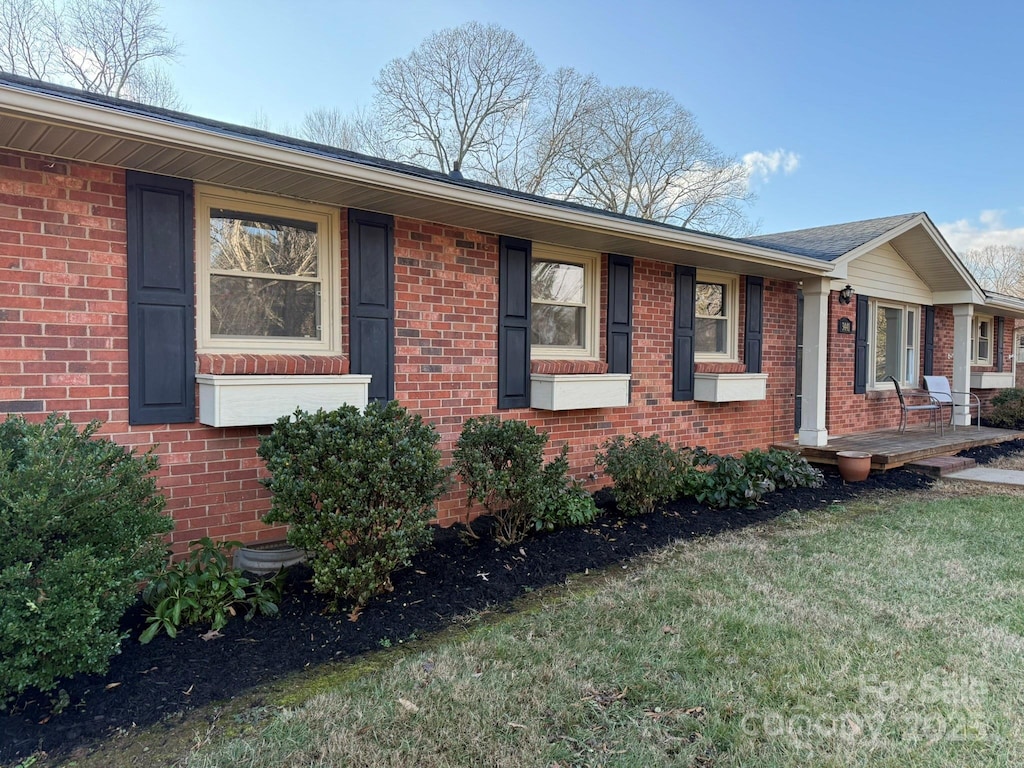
166 677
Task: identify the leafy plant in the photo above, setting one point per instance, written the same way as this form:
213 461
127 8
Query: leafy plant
502 464
644 471
81 521
1007 411
204 588
358 491
562 502
731 482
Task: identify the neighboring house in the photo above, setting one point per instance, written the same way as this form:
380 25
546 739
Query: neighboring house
186 282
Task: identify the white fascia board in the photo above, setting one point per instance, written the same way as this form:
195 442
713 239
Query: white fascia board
964 296
940 242
1008 306
115 122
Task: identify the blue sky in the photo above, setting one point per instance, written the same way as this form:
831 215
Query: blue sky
851 109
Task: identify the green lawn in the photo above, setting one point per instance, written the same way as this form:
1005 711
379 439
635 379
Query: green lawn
890 633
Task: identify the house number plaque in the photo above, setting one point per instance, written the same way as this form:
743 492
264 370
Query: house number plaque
845 325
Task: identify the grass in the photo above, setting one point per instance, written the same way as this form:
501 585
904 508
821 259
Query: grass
889 633
1010 461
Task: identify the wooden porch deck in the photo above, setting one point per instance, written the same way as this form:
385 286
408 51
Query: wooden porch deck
891 448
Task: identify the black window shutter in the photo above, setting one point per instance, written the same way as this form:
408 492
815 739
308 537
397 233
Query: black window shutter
998 347
753 336
860 347
682 336
929 341
161 300
620 314
514 269
371 263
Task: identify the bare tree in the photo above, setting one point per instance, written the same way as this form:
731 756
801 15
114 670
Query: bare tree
531 151
113 47
103 44
644 155
447 99
25 47
999 268
474 97
331 127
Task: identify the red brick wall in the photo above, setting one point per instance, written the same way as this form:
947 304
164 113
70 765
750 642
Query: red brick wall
64 344
63 347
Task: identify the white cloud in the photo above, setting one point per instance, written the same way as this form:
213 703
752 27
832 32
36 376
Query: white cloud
988 229
767 164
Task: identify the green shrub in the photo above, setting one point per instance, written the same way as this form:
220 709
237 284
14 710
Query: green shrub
81 522
563 503
644 470
731 482
204 588
357 490
783 469
1007 409
502 465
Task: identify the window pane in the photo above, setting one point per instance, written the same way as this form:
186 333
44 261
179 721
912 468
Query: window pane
710 300
562 283
557 326
888 336
249 306
710 336
255 243
984 337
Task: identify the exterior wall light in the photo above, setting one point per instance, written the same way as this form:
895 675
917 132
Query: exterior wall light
846 294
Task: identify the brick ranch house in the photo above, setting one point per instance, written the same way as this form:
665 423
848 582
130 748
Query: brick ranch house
186 282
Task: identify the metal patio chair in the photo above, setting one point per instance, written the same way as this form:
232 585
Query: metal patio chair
933 407
938 388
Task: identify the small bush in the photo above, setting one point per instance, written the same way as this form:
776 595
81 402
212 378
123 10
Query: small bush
731 482
563 503
502 464
644 470
1007 411
357 490
81 522
204 588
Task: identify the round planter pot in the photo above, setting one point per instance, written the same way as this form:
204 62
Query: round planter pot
854 466
263 559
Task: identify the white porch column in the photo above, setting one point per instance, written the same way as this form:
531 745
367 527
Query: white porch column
812 413
963 317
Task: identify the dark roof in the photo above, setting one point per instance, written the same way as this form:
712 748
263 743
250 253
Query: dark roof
830 242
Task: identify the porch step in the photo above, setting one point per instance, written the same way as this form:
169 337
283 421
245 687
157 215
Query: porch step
938 466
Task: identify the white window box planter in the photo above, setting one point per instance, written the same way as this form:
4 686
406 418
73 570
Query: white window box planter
243 401
729 387
569 392
992 380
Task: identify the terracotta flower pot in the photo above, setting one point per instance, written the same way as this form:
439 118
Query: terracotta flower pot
854 466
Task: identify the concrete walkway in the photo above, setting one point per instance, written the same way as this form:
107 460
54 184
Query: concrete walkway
986 475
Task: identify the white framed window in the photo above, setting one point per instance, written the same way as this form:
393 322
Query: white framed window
895 343
266 274
716 332
981 340
564 291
